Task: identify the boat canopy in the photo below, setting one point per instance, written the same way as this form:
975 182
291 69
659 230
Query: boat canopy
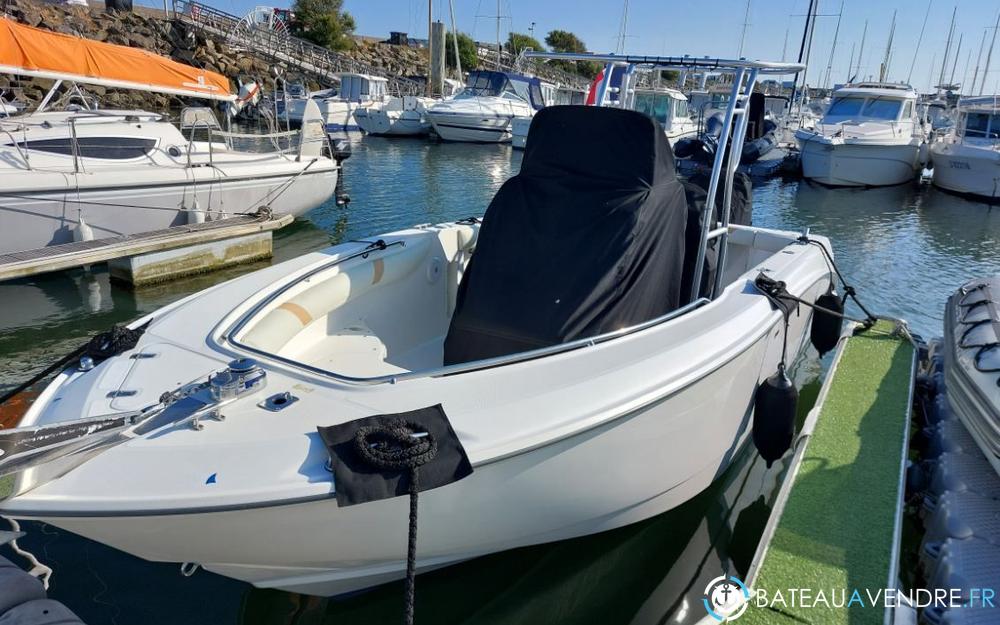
28 51
575 248
496 84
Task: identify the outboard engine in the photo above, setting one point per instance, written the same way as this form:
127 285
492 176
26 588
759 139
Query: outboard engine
341 151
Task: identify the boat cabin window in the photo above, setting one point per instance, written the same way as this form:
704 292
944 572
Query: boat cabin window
882 109
681 108
982 125
845 107
907 110
536 96
116 148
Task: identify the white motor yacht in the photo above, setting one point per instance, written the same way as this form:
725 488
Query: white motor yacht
401 116
397 116
967 159
338 105
563 392
484 110
871 135
89 174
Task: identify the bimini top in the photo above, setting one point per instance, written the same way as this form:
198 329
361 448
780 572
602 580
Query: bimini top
28 51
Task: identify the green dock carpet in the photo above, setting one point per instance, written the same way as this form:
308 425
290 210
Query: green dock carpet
836 531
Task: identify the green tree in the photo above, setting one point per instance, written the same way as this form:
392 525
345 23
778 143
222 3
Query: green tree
565 41
670 75
517 42
324 22
467 51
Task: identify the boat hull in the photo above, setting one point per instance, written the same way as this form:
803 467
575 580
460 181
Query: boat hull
858 165
391 123
471 128
966 170
338 115
556 490
36 219
562 446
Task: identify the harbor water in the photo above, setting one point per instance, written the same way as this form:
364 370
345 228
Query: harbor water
905 248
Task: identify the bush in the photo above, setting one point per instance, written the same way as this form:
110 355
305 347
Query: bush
466 52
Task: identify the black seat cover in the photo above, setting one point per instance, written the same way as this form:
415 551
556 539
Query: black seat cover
587 238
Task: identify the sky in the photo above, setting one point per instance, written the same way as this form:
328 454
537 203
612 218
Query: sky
671 27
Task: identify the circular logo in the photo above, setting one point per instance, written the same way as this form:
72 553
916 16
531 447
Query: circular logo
726 598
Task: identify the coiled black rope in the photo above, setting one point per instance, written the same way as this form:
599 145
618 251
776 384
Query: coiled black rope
100 347
396 446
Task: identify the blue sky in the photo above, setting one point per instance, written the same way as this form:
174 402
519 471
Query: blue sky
712 27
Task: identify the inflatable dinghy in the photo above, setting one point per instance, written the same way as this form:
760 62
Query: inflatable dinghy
972 361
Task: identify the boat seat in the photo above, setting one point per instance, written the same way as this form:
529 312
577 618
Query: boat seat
326 293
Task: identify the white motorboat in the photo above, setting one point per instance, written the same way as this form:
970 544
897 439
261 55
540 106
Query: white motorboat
338 105
89 174
967 159
870 136
484 110
667 106
401 116
574 414
398 116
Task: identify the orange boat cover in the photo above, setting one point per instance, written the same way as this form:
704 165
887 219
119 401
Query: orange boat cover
31 51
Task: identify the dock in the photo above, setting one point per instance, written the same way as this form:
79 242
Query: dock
156 255
837 519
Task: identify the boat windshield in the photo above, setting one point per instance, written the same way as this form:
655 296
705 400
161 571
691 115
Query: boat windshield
868 108
845 107
656 105
882 109
487 84
982 125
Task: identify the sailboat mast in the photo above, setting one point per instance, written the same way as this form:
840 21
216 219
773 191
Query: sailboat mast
979 57
947 47
833 48
498 35
430 49
954 64
989 55
623 29
850 65
743 35
802 46
965 73
884 72
454 38
861 52
784 47
913 63
805 75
